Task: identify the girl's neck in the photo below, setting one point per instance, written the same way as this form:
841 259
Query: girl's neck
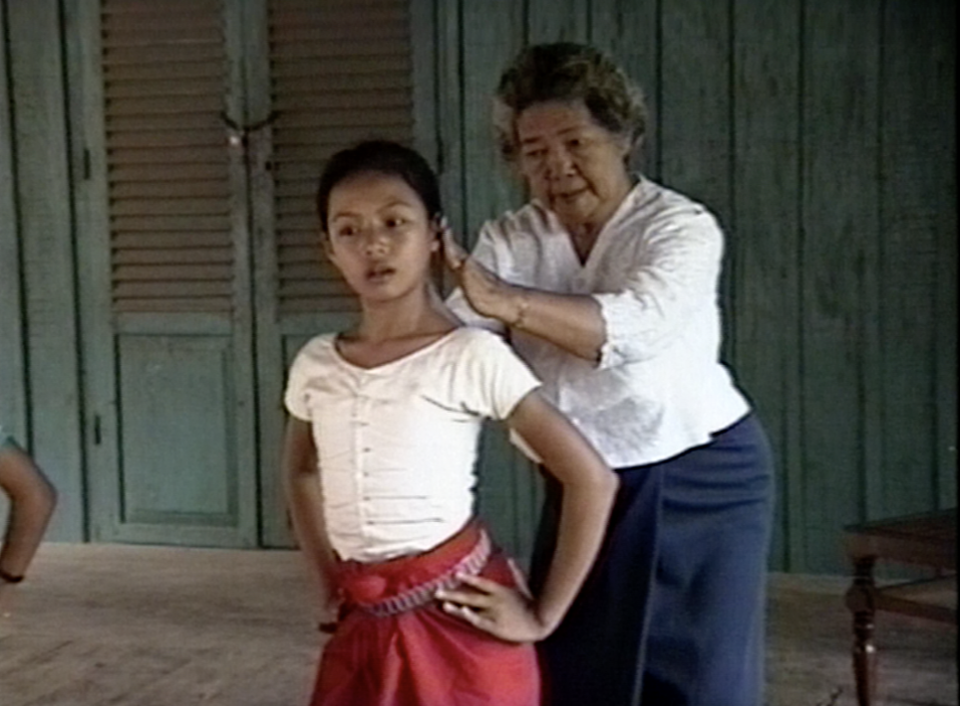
412 317
389 331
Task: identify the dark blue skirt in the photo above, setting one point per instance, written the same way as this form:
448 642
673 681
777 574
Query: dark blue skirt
673 612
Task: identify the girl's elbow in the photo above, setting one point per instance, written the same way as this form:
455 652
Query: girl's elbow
606 482
612 479
610 483
601 482
44 498
51 497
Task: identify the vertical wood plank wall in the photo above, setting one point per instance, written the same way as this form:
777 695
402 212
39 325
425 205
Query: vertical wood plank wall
12 371
822 133
50 417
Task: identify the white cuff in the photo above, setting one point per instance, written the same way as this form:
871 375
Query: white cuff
617 311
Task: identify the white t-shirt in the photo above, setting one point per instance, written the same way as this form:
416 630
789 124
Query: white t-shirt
397 444
659 388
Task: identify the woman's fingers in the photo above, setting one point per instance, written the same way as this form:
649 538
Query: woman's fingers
454 255
483 289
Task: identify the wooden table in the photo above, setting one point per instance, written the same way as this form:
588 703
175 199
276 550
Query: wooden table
928 540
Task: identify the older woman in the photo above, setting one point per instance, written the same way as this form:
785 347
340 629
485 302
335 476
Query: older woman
607 285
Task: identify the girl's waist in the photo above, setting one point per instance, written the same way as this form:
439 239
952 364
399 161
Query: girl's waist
407 582
377 529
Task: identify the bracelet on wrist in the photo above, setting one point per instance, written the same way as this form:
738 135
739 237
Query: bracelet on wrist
7 577
522 307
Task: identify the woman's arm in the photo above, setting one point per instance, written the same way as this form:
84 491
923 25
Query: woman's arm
32 500
674 276
301 485
589 489
572 322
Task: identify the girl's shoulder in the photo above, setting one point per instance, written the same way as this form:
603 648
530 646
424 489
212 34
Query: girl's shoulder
316 350
319 342
474 336
473 343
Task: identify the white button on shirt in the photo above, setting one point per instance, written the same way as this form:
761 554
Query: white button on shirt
397 444
659 388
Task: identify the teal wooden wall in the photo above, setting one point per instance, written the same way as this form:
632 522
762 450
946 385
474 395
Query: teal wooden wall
40 397
822 132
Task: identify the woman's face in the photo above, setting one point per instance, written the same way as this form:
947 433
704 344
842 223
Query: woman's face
572 164
380 236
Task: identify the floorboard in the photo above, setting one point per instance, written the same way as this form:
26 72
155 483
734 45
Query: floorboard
118 625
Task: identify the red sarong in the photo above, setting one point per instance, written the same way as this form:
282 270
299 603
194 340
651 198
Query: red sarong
421 656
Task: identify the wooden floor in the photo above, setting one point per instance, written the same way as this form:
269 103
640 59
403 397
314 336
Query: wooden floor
102 625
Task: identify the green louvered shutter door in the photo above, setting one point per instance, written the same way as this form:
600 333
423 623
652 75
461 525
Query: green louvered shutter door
340 71
173 456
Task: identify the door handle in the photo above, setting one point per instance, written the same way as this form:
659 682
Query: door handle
240 132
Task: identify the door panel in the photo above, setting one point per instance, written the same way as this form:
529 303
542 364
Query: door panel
177 458
169 347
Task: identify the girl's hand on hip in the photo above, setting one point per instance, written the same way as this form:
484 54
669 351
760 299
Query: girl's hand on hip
506 612
488 294
329 614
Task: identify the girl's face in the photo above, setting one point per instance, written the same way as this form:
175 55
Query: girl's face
379 235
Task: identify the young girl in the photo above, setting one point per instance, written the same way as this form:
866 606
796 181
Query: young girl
379 466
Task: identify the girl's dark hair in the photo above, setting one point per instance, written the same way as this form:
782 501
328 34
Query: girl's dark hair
384 157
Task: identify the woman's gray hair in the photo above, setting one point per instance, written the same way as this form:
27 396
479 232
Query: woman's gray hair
568 72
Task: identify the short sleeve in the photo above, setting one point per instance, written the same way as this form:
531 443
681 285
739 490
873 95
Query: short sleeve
294 398
494 379
5 438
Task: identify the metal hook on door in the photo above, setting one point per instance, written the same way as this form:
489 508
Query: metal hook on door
240 133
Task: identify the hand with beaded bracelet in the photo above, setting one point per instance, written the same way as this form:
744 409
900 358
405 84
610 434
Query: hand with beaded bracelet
572 322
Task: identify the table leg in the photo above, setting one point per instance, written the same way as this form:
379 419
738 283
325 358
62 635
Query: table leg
860 601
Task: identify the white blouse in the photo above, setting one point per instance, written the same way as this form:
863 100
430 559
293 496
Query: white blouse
659 388
397 444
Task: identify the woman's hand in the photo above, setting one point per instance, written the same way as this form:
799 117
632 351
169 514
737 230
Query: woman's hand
506 612
572 322
488 294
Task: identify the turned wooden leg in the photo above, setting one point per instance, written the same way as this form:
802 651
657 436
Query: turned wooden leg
860 601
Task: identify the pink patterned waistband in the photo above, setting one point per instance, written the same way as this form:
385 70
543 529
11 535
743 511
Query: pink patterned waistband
471 564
